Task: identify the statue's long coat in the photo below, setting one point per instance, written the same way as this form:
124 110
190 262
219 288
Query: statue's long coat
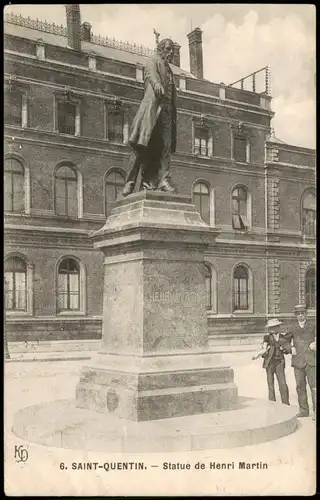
156 71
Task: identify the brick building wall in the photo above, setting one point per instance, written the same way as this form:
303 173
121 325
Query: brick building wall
266 248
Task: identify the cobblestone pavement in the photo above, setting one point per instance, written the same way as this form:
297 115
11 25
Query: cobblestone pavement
291 460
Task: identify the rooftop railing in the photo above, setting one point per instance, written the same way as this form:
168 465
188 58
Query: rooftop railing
259 81
61 30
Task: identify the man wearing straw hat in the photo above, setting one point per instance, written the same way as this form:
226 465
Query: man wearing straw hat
302 337
275 346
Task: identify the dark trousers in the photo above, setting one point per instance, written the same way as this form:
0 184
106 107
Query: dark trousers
301 375
154 160
277 368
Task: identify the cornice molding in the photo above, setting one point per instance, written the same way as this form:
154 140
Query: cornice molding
15 84
67 95
277 164
187 94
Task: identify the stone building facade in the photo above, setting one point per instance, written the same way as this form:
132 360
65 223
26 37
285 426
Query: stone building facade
70 98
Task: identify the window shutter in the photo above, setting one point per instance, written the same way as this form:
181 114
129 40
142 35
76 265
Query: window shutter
8 205
126 129
72 199
236 223
196 145
24 110
309 202
18 193
210 143
244 220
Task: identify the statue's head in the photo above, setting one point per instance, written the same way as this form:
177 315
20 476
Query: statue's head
166 49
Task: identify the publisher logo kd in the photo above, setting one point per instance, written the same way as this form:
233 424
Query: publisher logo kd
20 454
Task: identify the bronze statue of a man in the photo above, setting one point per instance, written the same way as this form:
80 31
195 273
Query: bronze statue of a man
153 135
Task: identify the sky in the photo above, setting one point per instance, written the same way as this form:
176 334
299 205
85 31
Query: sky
237 40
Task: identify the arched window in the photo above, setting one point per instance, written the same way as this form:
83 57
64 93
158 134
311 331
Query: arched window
66 191
14 195
310 289
201 199
15 284
309 214
114 184
240 288
208 281
240 208
68 285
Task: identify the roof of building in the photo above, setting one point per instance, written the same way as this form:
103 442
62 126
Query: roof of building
60 40
276 139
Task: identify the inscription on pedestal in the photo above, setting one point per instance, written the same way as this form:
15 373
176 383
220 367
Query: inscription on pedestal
172 297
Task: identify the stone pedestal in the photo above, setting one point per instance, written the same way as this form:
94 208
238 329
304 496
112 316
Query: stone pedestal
154 361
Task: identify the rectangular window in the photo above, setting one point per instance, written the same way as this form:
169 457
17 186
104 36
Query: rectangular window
202 141
13 108
66 117
240 148
115 126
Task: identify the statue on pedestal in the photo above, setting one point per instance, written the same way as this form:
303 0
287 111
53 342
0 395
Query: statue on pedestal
153 135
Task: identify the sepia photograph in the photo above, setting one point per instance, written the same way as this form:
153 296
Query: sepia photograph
159 249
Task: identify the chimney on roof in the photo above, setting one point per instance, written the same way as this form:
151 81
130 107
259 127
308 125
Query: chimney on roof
195 53
74 26
176 54
86 32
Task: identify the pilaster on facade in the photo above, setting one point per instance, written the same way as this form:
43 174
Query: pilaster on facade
303 267
273 283
272 154
273 203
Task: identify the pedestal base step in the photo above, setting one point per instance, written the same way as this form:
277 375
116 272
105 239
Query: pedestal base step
61 424
157 404
143 395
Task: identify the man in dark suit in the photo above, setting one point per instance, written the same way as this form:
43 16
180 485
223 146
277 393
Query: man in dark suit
302 337
275 346
153 136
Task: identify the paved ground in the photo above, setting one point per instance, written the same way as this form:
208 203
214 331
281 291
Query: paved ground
290 460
